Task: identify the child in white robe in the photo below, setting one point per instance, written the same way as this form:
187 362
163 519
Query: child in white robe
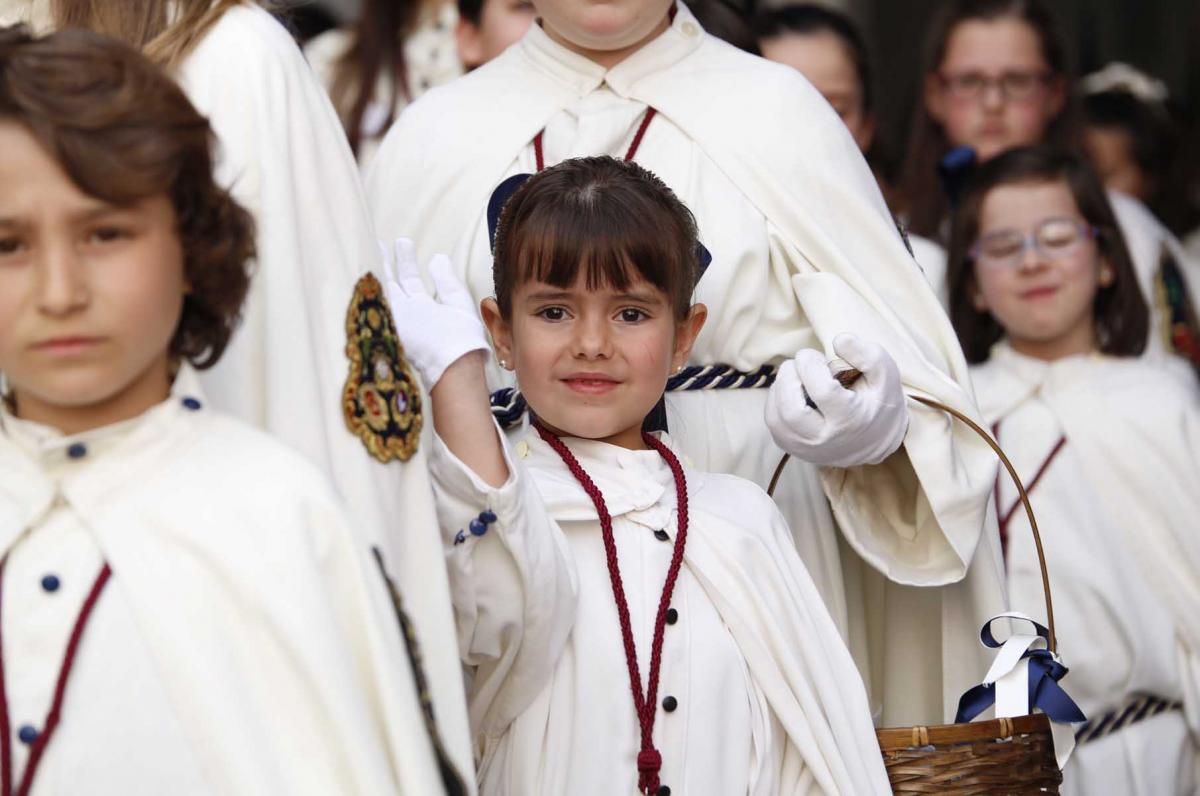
631 624
1046 302
185 607
283 155
803 249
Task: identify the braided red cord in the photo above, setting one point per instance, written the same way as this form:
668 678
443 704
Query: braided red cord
649 760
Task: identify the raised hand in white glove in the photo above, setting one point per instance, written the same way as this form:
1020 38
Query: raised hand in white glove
435 332
838 427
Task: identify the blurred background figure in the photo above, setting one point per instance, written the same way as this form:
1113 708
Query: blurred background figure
487 27
827 48
393 52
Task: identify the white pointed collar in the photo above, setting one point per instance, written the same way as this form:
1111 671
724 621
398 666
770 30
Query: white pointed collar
583 75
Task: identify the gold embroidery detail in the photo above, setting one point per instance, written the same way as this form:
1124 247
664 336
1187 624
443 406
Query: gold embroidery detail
381 400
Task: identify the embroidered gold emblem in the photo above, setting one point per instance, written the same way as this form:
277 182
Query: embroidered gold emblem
381 400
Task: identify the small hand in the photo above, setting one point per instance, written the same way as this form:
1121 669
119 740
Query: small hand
814 418
435 332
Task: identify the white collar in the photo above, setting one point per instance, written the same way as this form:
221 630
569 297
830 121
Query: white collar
582 75
56 453
637 484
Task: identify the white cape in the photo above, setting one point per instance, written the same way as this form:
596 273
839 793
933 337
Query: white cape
284 155
262 612
921 517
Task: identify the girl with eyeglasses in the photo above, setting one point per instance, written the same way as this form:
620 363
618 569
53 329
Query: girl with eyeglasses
1046 304
996 77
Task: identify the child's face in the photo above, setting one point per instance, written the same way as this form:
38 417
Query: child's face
593 363
501 23
1042 299
90 293
1110 152
822 58
603 25
993 91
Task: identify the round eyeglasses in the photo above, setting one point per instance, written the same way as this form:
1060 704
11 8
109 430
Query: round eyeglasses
1053 238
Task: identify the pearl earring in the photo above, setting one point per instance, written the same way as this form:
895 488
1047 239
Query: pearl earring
504 364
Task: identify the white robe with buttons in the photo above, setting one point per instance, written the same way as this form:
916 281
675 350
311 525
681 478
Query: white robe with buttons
803 249
284 155
769 701
245 643
1117 509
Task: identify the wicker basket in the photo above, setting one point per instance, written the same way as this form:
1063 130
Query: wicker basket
1000 756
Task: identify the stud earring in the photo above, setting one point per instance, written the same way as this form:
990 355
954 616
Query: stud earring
504 364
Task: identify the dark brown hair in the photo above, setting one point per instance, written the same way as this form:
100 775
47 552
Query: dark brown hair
376 48
1119 311
808 19
123 131
610 219
925 205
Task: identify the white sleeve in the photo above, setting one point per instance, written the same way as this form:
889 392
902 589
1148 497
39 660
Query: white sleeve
512 582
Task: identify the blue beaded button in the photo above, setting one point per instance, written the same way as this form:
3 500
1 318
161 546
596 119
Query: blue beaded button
28 734
51 583
77 450
488 516
477 527
191 404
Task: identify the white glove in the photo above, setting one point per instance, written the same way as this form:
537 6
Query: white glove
838 427
435 332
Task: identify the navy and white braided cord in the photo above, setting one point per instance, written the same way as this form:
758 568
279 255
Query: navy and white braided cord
508 405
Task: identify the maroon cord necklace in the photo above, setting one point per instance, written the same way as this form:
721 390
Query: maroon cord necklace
649 760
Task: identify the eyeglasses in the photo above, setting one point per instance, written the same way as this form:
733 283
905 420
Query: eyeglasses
1015 86
1054 238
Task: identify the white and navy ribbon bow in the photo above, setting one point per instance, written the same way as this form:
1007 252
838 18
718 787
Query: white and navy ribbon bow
1024 676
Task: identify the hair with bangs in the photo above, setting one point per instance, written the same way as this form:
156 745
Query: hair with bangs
123 131
607 219
1119 310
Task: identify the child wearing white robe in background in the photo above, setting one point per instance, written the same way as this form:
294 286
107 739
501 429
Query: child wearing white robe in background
803 249
185 607
1046 302
283 155
693 597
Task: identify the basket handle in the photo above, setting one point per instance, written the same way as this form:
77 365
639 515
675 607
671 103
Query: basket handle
848 377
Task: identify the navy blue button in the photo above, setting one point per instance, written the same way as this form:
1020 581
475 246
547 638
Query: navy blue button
672 616
51 583
28 734
670 703
477 527
191 403
664 791
77 450
661 536
488 516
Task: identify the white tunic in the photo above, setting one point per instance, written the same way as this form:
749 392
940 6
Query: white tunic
1118 634
245 643
550 700
803 249
283 152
